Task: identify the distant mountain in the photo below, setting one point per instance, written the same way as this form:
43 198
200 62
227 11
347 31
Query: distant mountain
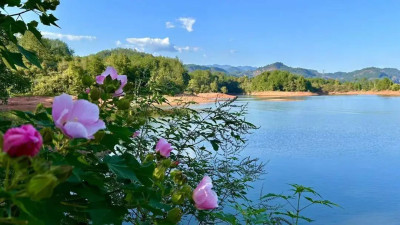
230 70
281 66
235 70
193 67
368 73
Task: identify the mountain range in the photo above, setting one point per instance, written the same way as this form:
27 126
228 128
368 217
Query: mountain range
368 73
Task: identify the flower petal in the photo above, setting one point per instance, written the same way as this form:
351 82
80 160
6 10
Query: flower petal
100 79
60 104
75 130
94 127
124 80
204 197
110 71
84 112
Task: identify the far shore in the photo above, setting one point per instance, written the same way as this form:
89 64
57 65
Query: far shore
282 93
30 103
384 93
306 93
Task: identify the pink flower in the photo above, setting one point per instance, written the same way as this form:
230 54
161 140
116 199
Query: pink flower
87 90
114 75
164 147
23 140
203 196
135 134
77 119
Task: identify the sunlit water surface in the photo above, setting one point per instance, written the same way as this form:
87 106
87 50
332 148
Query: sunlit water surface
346 147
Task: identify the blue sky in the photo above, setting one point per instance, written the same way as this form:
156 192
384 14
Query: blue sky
334 35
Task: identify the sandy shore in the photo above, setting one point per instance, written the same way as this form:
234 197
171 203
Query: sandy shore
299 94
282 94
385 93
199 98
30 103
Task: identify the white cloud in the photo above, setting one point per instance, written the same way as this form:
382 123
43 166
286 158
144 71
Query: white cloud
151 44
186 49
156 45
118 43
169 25
70 37
187 23
232 51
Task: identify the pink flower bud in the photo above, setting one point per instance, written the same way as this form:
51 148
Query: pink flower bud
203 196
23 140
164 147
87 90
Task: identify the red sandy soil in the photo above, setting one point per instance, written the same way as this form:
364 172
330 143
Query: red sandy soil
26 103
30 103
199 98
282 94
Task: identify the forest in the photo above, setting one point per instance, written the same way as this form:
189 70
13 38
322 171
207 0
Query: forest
63 72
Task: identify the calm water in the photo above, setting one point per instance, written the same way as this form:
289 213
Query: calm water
346 147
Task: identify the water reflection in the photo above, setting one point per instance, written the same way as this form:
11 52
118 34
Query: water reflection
346 147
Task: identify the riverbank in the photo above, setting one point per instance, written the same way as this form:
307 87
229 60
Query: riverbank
300 94
30 103
383 93
282 94
199 98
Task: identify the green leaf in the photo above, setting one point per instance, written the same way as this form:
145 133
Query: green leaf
48 19
32 27
12 3
41 186
107 215
227 217
215 144
30 56
143 172
174 215
19 27
11 59
118 165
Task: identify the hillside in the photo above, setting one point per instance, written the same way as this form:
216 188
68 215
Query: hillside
368 73
230 70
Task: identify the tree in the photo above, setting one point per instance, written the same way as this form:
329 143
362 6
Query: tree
384 84
224 89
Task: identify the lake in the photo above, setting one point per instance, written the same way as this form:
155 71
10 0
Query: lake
346 147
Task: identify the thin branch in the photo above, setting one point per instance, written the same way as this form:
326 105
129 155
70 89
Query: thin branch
20 13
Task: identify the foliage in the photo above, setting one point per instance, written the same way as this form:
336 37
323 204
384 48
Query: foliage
279 81
12 25
115 177
12 53
64 73
289 212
